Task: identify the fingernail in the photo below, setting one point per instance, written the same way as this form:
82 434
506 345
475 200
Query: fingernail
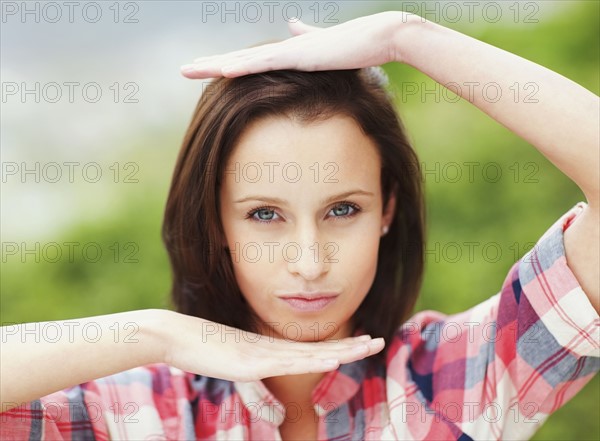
363 338
188 68
330 362
376 341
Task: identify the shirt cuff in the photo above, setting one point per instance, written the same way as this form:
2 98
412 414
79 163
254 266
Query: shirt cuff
555 293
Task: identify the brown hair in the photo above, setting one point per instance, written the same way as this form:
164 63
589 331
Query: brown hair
204 284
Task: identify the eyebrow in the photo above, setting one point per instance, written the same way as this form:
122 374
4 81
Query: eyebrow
356 192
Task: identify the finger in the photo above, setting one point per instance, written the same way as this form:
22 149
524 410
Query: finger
256 63
361 351
193 72
229 65
211 66
298 27
303 366
207 70
231 55
345 354
251 67
353 340
236 54
285 365
281 344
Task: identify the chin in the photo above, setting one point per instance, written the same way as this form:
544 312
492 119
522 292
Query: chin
302 328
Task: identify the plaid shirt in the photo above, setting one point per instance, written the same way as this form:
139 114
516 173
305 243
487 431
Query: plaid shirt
495 371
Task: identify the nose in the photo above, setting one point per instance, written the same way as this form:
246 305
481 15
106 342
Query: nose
307 255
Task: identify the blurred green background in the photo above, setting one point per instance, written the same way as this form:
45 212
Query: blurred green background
512 212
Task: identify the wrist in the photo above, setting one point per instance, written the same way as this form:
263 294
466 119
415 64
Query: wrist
409 33
155 327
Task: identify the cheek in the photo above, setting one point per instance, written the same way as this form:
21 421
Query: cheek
360 243
250 272
359 259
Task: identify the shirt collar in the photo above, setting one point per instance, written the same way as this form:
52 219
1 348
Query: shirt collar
260 402
333 390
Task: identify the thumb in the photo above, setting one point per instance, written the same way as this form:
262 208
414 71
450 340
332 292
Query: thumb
297 27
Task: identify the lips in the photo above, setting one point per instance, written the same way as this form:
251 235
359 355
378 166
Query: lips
309 302
309 296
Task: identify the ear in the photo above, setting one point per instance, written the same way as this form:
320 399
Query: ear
389 210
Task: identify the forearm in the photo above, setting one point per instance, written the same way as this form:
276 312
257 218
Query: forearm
42 358
563 121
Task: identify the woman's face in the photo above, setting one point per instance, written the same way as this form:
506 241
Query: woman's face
302 213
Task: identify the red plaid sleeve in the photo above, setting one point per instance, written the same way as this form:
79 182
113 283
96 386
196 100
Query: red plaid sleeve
64 415
501 368
149 402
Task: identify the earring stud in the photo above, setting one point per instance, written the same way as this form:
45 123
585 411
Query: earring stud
384 230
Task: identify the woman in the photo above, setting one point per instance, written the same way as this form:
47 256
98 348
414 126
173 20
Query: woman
286 298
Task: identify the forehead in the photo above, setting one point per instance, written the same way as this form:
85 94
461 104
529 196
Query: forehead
332 151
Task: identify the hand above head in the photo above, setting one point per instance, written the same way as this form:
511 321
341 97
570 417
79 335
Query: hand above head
362 42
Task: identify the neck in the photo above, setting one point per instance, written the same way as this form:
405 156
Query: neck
294 388
298 388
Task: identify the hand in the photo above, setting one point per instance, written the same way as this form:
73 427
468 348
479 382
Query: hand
214 350
362 42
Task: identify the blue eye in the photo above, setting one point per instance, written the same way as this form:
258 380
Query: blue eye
348 210
265 211
343 210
